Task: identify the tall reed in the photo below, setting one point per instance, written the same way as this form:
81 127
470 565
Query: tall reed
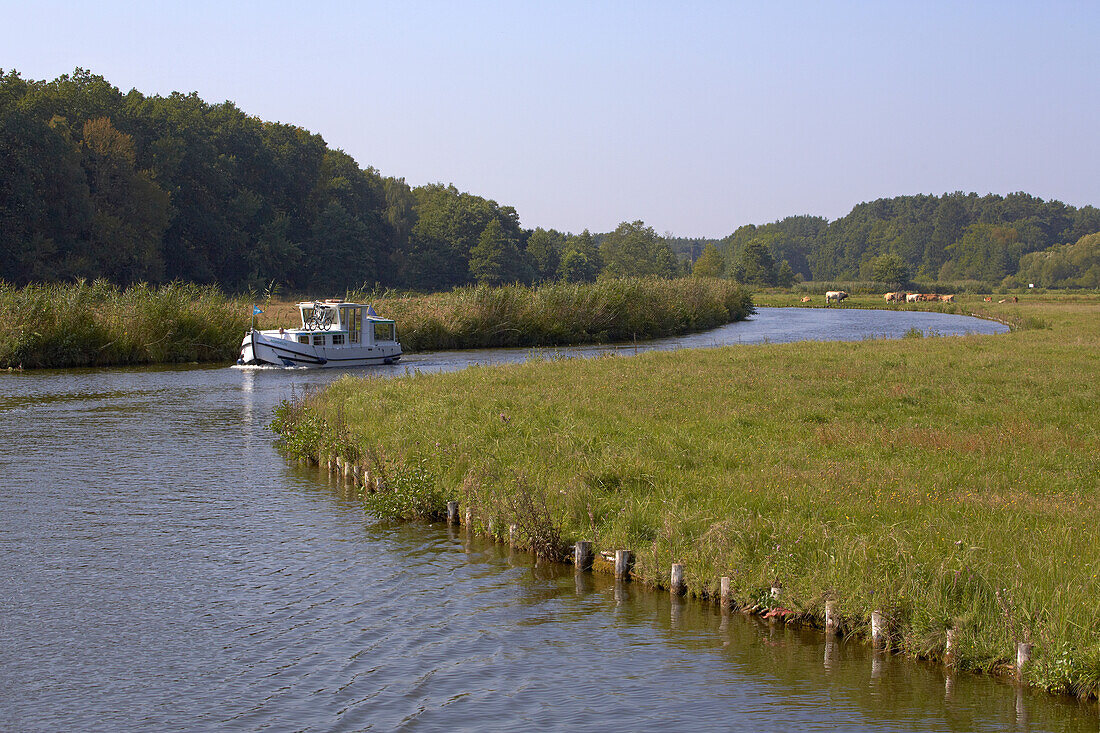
98 324
562 313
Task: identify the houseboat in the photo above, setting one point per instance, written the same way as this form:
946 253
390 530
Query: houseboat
334 333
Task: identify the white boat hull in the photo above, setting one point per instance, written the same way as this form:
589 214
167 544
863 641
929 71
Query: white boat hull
260 348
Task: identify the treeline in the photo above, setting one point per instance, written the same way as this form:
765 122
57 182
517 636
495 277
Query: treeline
95 183
955 237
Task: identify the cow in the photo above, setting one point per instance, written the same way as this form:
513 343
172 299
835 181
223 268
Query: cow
912 297
988 300
806 299
894 297
837 295
947 298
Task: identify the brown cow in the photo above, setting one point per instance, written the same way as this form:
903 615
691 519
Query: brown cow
947 298
988 300
806 299
894 297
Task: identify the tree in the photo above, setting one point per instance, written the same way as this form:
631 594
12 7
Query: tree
635 250
497 259
130 211
580 259
544 252
755 265
891 269
709 264
785 275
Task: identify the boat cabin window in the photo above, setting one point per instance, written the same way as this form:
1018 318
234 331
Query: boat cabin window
352 320
303 339
384 331
337 339
307 316
318 340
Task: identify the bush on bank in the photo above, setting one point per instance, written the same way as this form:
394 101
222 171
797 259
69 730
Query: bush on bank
947 482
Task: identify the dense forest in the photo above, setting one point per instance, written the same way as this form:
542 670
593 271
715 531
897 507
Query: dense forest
951 238
96 183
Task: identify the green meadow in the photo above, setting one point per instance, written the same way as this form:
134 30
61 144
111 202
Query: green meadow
944 481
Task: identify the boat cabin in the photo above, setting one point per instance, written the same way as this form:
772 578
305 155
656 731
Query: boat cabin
337 323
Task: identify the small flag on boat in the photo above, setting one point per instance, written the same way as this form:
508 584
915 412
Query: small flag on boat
257 310
370 310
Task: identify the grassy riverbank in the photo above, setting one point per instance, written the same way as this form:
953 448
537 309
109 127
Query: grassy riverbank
944 481
98 324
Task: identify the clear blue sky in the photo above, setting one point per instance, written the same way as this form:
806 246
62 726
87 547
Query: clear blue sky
695 117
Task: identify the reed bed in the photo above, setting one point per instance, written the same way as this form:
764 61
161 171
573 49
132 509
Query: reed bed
948 482
562 313
99 324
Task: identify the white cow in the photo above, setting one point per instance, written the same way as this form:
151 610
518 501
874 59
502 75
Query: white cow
837 295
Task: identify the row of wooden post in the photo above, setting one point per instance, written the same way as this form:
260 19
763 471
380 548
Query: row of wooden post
584 555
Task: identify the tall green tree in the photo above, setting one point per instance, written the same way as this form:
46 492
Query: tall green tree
710 263
544 249
755 265
497 258
580 259
635 250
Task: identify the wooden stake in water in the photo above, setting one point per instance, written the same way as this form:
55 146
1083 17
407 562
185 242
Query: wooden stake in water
469 516
1023 657
949 645
582 555
724 595
676 580
513 530
878 629
452 512
832 618
624 563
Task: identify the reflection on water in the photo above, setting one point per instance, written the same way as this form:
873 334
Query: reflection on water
166 570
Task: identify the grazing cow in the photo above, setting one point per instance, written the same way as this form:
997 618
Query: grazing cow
947 298
988 300
928 297
894 297
837 295
1015 299
912 297
806 299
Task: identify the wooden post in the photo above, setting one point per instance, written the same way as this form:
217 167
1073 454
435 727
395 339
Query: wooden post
777 589
878 629
676 580
949 645
624 563
469 516
832 618
513 530
349 469
489 527
582 555
724 595
452 512
1023 657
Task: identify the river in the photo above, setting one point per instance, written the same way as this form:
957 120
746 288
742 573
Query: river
165 569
